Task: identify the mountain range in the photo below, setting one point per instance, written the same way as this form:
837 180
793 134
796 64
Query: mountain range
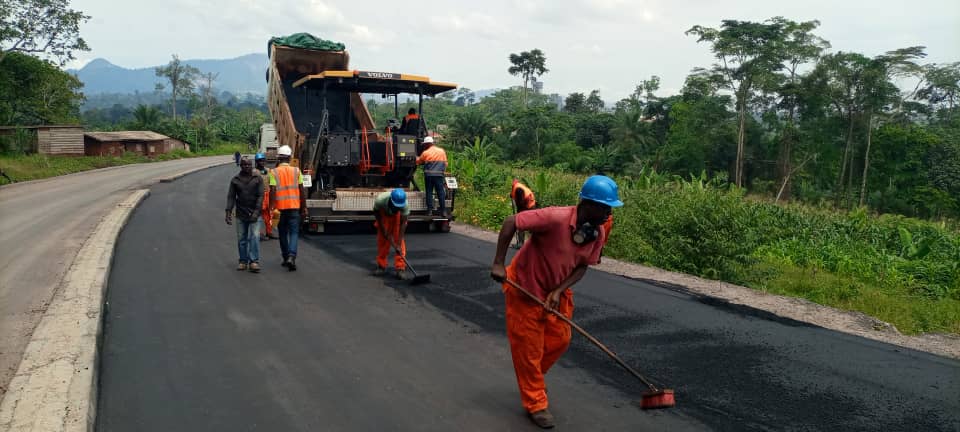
244 74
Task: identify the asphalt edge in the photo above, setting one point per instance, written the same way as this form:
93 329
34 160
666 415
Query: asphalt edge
171 178
55 387
791 308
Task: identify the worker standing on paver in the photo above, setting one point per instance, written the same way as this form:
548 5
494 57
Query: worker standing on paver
288 196
246 194
267 232
566 240
391 211
434 161
523 199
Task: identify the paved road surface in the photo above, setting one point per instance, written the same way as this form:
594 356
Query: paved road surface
192 344
42 226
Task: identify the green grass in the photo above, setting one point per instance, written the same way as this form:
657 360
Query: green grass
900 270
35 166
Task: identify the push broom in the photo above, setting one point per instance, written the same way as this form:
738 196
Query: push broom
650 399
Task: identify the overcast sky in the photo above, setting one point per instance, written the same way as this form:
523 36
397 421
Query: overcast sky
609 45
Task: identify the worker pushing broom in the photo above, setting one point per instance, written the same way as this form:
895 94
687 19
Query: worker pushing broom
537 288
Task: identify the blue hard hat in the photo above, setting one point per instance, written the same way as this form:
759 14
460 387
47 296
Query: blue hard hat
259 156
601 189
398 198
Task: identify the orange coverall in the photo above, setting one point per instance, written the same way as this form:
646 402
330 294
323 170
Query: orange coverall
391 226
537 340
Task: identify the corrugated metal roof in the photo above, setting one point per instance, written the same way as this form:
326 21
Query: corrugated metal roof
126 136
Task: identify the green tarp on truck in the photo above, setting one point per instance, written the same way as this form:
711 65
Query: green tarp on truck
306 41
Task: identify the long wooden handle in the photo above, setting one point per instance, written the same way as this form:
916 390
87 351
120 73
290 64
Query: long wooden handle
585 334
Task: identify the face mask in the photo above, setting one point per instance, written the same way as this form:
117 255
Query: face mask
585 233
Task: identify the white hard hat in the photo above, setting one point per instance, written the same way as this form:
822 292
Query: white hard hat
284 151
428 140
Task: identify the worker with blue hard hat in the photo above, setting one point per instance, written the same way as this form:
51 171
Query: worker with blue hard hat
391 212
565 241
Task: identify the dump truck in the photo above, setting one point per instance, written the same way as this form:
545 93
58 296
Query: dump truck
318 110
267 142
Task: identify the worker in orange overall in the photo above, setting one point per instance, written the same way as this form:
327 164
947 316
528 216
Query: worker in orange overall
391 212
566 241
434 161
522 199
265 212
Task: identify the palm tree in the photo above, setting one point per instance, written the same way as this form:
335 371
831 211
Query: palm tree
146 117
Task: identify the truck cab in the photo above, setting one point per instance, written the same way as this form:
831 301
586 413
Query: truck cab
267 142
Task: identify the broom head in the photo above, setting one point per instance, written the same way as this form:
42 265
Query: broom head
657 399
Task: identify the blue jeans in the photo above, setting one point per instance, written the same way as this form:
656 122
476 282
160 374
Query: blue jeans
289 230
438 184
248 240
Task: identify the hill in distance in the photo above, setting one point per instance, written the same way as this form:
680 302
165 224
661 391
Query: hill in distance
244 74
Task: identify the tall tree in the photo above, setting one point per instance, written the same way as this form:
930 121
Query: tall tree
180 77
800 46
528 64
940 86
206 92
748 53
594 102
575 103
41 27
879 92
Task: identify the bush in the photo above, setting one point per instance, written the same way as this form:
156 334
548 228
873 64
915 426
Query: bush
901 270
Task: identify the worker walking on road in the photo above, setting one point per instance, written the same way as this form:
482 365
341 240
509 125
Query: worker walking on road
523 199
434 161
288 196
267 232
236 158
391 211
566 241
246 194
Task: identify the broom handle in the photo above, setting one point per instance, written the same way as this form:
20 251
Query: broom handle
397 250
585 334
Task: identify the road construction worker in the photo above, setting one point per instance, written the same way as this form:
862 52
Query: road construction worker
523 199
246 194
391 211
266 232
410 125
236 158
566 240
288 195
434 161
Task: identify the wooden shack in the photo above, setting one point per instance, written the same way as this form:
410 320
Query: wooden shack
61 140
147 143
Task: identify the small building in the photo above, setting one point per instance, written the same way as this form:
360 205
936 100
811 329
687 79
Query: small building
147 143
61 140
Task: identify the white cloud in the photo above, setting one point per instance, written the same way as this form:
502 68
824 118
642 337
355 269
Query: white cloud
468 42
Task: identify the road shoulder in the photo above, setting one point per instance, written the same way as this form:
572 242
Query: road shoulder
854 323
56 383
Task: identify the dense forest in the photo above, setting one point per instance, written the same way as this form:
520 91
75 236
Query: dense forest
779 113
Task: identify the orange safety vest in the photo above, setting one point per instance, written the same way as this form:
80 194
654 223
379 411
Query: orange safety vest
434 161
288 190
529 200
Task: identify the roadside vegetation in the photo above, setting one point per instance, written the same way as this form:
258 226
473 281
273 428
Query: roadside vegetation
24 167
901 270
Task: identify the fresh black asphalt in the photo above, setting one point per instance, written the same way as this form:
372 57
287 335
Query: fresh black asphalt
190 344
